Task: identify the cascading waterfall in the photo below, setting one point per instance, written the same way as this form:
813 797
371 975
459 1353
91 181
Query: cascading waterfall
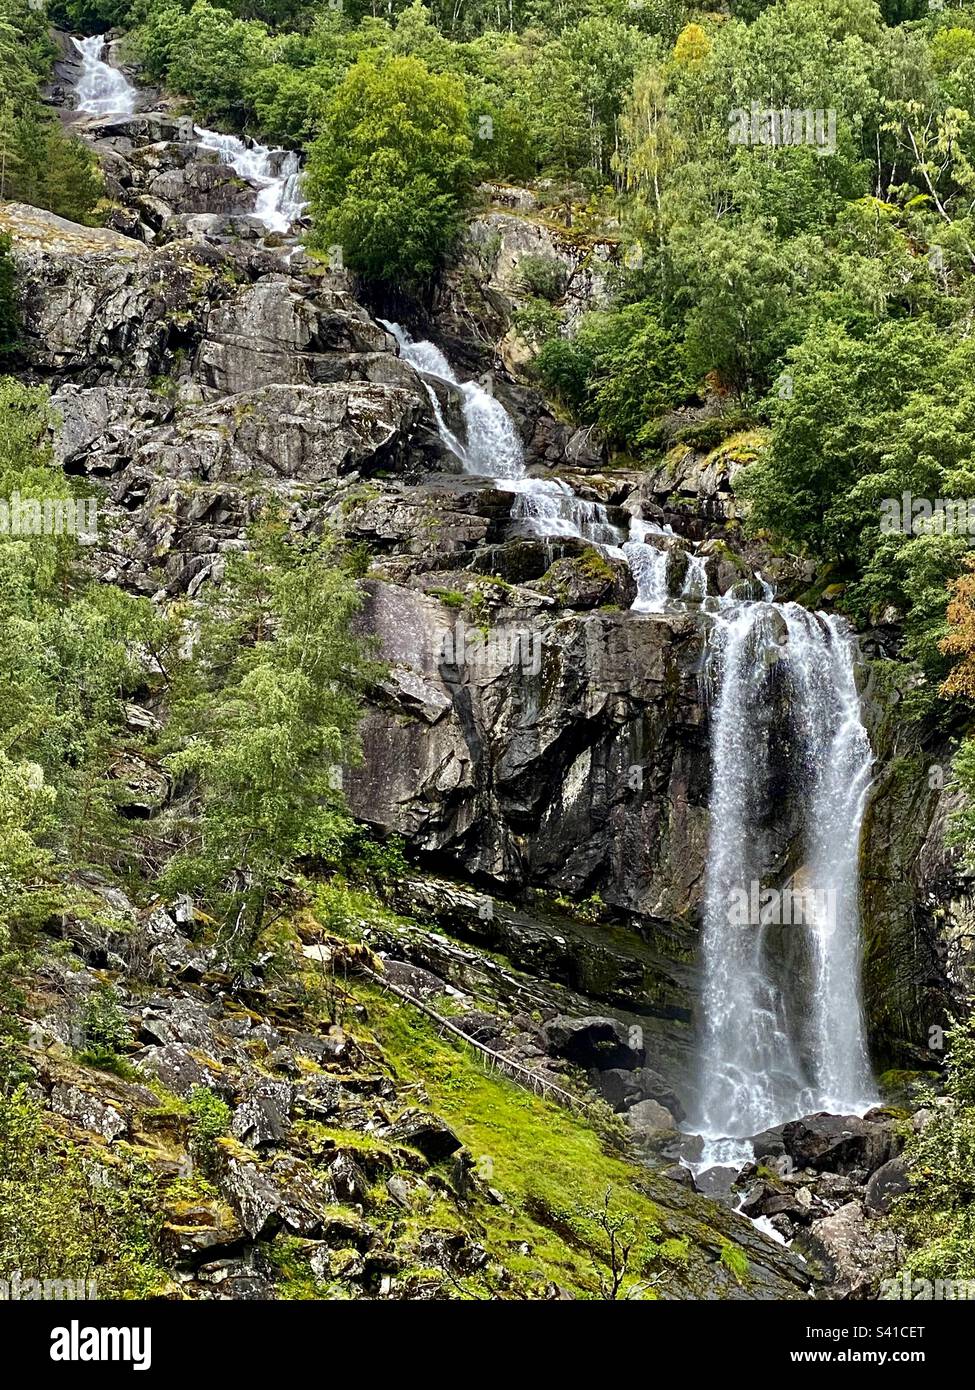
105 91
549 507
648 565
544 507
277 174
695 588
102 90
784 1032
493 449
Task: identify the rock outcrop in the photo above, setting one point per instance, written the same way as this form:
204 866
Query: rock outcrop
544 751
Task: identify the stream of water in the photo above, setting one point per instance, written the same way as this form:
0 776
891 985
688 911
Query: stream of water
103 90
783 1027
275 173
783 1031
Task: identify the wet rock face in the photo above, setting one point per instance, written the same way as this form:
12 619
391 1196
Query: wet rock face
917 899
572 754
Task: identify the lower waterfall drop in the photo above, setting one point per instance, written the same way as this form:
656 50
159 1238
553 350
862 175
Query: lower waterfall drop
783 1030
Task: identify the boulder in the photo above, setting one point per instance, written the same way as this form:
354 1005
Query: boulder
419 1130
87 1111
890 1181
621 1088
590 581
253 1195
273 332
301 434
716 1182
593 1042
262 1119
647 1117
854 1253
770 1199
841 1143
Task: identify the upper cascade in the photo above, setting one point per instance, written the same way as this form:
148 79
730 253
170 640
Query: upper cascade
102 90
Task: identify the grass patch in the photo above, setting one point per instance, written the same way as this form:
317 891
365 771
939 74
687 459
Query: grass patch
552 1168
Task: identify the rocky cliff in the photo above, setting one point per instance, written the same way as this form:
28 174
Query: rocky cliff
543 752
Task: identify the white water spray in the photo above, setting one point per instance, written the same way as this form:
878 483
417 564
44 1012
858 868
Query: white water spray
493 449
784 1031
648 565
275 173
102 90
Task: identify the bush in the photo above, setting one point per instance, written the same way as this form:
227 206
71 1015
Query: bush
936 1217
542 276
209 1121
65 1216
536 321
104 1026
620 371
706 435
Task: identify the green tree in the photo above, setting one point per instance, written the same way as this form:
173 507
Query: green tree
390 174
265 718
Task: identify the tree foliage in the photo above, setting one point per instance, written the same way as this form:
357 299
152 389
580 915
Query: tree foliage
263 719
389 175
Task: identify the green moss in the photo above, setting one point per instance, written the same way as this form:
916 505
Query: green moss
596 566
552 1169
450 598
734 1260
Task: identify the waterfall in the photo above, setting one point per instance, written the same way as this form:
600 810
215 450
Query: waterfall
493 449
695 589
648 565
545 507
549 507
784 1031
277 174
102 90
